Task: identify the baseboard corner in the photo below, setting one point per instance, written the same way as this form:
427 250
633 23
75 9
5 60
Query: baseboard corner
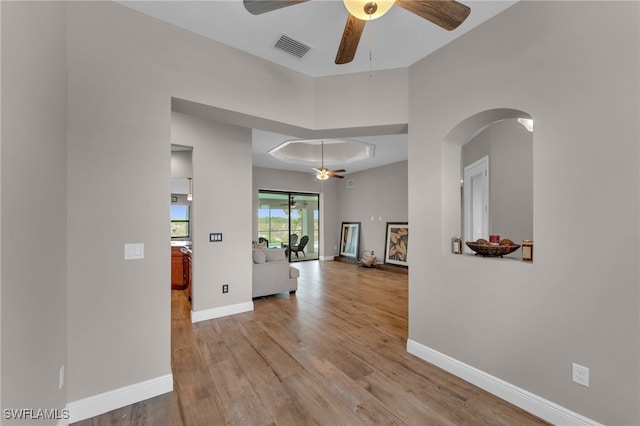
223 311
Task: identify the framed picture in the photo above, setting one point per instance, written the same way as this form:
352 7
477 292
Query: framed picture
397 243
350 239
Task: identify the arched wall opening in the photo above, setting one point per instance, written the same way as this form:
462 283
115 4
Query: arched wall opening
504 137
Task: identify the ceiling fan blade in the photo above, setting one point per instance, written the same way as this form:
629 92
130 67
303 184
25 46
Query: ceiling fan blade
337 176
350 38
257 7
338 171
447 14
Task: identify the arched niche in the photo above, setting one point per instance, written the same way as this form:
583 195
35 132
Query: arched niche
501 137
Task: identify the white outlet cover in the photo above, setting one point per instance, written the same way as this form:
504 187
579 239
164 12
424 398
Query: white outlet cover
580 374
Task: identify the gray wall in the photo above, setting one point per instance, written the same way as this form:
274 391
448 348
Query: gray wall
510 149
527 323
218 208
34 210
378 196
181 164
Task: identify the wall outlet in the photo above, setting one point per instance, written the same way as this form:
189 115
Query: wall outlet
225 288
372 253
580 375
61 377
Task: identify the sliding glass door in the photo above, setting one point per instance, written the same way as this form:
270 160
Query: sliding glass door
290 220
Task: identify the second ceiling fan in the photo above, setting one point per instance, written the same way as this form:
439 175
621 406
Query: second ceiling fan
323 173
448 14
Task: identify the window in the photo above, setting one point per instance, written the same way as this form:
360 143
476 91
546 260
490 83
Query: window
179 221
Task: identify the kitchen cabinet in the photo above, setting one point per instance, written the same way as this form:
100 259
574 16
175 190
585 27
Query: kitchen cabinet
186 271
177 266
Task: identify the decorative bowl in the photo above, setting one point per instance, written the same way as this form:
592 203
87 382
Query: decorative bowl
484 248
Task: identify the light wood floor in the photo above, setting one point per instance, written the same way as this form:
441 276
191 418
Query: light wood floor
332 354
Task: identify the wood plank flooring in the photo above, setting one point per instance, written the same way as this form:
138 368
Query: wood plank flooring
332 354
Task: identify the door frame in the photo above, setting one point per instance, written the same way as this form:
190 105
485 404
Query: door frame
479 167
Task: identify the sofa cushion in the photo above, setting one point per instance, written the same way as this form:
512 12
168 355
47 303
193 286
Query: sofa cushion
274 254
259 256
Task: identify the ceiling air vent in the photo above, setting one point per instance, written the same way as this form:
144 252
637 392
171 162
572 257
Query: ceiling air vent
292 46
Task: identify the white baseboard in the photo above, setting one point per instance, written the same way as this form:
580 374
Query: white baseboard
326 258
534 404
222 311
105 402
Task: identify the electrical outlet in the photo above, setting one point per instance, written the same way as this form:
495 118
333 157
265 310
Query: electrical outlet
372 253
580 375
61 378
225 288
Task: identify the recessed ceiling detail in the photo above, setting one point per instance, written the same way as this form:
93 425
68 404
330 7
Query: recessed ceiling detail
291 46
337 152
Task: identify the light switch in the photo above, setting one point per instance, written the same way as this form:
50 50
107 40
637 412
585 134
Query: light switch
134 251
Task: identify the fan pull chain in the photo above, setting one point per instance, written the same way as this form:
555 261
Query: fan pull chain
370 31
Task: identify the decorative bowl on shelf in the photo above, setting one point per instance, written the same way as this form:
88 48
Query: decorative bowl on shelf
484 248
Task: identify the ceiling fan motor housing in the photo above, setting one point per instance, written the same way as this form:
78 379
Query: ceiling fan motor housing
370 8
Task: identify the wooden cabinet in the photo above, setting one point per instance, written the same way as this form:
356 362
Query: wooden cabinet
177 266
186 271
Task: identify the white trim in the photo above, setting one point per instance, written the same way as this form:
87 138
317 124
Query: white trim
519 397
105 402
223 311
324 258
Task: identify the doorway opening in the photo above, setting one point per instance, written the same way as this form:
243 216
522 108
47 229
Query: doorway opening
290 220
476 200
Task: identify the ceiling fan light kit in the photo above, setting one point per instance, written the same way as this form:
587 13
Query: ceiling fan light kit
366 9
322 173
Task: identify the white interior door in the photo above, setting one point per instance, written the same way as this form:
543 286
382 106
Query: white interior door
476 200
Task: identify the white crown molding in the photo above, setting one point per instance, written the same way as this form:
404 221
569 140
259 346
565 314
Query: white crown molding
519 397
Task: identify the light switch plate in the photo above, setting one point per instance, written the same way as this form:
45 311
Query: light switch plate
215 237
134 251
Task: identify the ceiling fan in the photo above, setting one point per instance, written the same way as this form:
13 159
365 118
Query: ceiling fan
323 173
294 204
448 14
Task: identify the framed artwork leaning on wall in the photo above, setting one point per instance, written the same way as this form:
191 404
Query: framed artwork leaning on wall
350 240
397 244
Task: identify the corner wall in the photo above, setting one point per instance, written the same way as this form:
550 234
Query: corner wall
578 76
34 205
220 151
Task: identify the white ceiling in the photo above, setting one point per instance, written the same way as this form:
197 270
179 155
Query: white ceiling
397 40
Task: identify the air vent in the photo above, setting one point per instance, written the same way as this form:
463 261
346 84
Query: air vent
292 46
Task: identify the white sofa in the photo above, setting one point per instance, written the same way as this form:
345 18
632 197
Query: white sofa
272 273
